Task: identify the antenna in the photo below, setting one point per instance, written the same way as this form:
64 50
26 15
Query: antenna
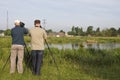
7 19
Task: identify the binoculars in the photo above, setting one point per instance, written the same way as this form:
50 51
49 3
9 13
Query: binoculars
22 24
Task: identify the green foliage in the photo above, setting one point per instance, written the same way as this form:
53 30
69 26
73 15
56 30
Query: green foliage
5 42
89 30
113 32
49 31
110 32
62 31
94 57
1 31
118 31
76 31
7 32
98 33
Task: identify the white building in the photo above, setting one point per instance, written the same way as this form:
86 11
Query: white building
2 34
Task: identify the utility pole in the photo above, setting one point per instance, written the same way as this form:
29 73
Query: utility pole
44 23
7 19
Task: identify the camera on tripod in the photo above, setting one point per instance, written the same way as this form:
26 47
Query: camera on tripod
22 24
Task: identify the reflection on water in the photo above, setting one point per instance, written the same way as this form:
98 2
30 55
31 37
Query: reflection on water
86 45
102 45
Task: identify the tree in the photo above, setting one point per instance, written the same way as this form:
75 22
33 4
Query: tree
1 31
97 32
106 32
49 31
82 33
72 32
76 31
90 30
73 29
109 32
98 29
113 31
7 32
62 31
118 31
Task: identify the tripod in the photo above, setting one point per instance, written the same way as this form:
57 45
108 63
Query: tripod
28 57
5 63
51 53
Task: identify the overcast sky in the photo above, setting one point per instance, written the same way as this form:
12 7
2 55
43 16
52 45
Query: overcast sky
62 14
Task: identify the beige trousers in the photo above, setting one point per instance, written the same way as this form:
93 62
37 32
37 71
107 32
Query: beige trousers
17 50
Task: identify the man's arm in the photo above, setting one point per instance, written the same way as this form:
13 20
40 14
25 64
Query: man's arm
25 31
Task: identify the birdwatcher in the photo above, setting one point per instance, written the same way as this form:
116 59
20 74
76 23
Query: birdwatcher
17 48
38 35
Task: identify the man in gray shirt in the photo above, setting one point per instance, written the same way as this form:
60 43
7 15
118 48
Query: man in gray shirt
38 35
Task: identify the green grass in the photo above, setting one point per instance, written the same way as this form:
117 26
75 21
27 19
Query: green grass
73 65
80 64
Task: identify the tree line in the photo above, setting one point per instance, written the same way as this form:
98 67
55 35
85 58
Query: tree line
78 31
109 32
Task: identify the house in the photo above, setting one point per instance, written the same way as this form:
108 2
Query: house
60 34
51 34
2 34
56 34
69 35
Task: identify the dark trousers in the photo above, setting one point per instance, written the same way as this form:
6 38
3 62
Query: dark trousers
37 58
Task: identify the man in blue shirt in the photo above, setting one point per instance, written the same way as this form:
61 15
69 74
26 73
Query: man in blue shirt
17 48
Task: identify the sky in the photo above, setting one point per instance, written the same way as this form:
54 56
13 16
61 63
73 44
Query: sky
61 14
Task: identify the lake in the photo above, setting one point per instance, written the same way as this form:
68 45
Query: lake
86 45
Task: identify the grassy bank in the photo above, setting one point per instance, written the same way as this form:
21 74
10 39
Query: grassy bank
71 39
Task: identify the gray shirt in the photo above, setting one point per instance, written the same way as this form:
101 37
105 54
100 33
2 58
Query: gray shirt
37 38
